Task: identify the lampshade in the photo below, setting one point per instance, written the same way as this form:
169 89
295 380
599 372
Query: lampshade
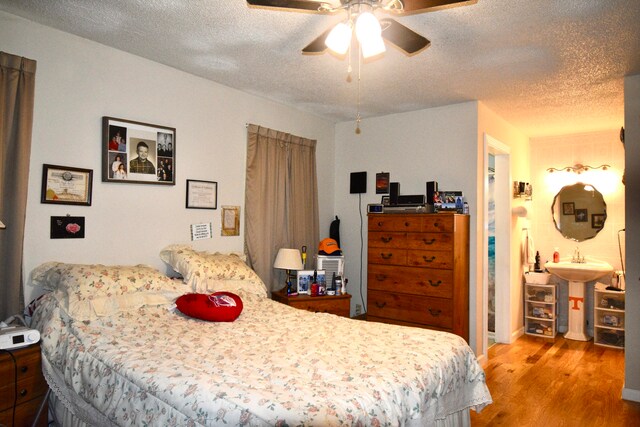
339 38
372 47
368 32
2 225
288 259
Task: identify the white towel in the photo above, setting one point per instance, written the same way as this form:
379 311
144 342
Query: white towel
531 250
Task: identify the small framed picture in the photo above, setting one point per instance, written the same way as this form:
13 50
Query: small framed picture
230 221
202 194
568 208
64 185
597 220
305 278
67 227
582 215
140 153
382 183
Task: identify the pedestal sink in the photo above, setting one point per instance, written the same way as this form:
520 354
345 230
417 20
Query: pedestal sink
577 274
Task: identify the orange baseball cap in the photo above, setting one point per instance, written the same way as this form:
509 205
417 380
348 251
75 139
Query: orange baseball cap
329 247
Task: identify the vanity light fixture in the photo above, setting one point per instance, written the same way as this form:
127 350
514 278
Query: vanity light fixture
579 168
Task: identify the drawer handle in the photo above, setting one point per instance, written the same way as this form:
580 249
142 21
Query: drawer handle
386 239
386 256
436 284
406 224
435 312
23 392
379 223
380 304
428 259
429 242
381 277
24 369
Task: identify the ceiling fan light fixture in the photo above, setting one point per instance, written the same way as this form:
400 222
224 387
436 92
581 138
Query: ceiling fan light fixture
339 39
372 47
367 27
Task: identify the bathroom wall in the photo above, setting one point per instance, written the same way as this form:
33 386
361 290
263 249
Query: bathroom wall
594 149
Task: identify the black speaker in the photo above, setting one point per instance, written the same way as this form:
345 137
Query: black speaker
394 192
432 187
358 182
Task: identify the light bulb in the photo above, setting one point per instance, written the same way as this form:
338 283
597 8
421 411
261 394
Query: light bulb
339 38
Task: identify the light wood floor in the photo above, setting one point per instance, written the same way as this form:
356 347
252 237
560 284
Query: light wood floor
549 383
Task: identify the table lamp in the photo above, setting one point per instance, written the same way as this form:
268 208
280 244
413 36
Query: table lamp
288 259
2 225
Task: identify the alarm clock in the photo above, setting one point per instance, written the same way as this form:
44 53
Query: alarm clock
14 337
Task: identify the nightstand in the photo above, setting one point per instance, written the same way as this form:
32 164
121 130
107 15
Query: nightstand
334 304
32 387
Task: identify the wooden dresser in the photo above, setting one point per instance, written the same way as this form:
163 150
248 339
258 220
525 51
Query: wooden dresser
32 387
418 271
334 304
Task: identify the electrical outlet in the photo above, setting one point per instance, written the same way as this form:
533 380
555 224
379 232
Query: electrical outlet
358 309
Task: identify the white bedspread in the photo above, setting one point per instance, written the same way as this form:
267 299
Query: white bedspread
274 365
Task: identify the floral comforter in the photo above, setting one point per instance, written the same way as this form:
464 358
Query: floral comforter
275 365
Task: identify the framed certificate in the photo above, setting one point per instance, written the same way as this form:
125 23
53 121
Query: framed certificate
65 185
202 194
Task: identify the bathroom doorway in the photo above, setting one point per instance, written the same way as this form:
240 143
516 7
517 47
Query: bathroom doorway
496 242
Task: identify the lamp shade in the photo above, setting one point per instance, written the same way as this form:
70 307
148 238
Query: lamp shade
368 33
339 38
2 225
288 259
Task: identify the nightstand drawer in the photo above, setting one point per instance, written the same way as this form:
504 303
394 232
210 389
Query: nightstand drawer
333 304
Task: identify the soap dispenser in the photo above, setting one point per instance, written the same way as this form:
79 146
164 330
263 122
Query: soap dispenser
556 255
536 266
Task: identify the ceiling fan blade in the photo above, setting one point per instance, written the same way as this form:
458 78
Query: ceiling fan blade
317 46
419 6
309 6
402 37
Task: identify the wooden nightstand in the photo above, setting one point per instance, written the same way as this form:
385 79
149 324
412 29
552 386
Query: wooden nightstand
334 304
32 387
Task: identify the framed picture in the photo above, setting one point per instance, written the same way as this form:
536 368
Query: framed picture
67 227
385 200
382 183
305 278
597 220
138 153
582 215
568 208
230 220
202 194
64 185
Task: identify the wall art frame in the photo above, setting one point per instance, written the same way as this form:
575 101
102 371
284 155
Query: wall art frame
201 194
65 185
138 153
230 221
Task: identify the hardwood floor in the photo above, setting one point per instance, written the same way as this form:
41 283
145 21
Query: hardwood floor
549 383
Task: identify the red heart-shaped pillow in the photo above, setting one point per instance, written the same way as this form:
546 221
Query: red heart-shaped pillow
216 307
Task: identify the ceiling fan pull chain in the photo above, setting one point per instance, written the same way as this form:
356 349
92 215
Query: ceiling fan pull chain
358 118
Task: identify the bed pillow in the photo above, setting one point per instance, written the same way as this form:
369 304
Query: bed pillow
76 286
200 269
215 307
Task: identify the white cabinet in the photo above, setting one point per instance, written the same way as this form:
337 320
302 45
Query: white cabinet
608 318
540 310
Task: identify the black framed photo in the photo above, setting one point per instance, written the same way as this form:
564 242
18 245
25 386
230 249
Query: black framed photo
582 215
65 185
67 227
597 220
202 194
568 208
138 153
382 183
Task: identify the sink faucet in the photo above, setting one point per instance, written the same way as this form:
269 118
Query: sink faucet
576 256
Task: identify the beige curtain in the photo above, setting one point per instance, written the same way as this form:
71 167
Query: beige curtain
17 88
281 199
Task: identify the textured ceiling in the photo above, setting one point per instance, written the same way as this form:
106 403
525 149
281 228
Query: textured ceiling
546 66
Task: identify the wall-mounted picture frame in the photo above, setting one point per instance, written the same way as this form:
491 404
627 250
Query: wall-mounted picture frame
230 221
201 194
582 215
597 220
382 183
568 208
65 185
138 153
67 227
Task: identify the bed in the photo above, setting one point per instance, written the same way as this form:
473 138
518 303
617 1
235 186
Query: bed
117 352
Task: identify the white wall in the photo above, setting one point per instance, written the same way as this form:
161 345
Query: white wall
77 83
632 212
437 144
594 149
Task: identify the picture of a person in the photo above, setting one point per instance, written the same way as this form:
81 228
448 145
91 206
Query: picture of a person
142 164
120 173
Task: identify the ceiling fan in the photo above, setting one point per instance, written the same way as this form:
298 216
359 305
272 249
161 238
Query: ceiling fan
369 30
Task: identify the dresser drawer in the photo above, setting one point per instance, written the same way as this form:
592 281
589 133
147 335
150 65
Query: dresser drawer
439 222
390 222
431 311
28 388
429 241
387 239
411 280
431 259
388 256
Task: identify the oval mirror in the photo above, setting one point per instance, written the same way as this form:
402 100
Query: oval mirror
579 211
